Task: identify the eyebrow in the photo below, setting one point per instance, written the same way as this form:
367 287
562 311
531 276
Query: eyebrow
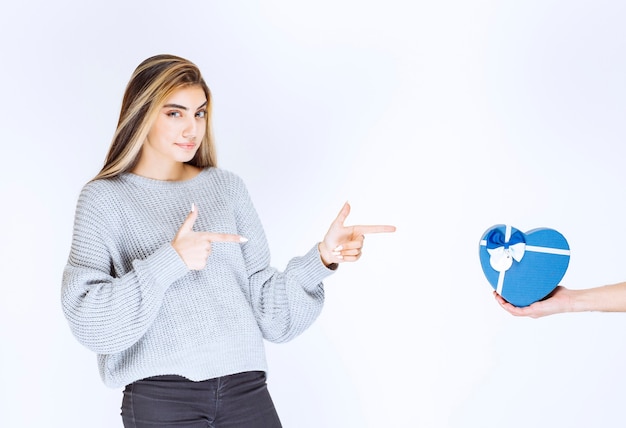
178 106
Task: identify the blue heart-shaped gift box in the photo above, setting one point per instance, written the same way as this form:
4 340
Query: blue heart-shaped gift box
523 267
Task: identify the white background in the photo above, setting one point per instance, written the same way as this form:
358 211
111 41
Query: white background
441 117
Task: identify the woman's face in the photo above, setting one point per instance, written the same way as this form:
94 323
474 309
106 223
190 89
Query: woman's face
179 128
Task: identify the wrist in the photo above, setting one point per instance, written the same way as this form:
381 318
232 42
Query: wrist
585 301
326 256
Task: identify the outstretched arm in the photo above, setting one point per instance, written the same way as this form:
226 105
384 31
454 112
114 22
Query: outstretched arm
608 298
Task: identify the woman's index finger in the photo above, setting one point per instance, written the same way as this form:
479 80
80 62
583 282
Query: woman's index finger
225 237
365 229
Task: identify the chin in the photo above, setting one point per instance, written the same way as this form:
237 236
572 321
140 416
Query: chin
185 159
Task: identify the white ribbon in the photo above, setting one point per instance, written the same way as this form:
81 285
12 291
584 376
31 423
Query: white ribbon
502 258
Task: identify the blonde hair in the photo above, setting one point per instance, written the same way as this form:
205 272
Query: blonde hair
152 82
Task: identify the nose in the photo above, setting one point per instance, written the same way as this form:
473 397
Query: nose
191 129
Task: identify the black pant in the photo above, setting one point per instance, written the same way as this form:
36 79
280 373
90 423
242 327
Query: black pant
236 401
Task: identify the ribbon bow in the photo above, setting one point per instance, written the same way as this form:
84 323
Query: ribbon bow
504 248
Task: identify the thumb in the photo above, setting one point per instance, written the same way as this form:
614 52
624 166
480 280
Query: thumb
343 214
187 225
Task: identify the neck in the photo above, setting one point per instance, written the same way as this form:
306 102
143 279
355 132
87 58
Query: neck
171 171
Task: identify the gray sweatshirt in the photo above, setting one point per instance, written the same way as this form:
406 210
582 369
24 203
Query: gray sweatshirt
129 297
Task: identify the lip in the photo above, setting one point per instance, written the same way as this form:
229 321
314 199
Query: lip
186 146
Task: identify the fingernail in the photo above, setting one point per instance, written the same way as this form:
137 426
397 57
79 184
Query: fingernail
336 253
193 207
242 239
339 248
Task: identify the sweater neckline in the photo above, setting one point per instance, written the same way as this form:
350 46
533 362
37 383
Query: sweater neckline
154 183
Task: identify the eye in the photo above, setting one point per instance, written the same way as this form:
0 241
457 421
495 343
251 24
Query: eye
201 114
173 113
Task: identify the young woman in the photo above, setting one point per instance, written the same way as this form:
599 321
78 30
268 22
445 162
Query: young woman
168 278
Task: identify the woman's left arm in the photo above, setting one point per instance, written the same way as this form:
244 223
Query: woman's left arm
284 303
287 303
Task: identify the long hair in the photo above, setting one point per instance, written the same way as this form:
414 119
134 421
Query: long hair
152 82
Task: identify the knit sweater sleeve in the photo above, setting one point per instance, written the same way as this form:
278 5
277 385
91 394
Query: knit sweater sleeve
285 303
108 312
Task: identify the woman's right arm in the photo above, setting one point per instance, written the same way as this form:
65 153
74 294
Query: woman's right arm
109 313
